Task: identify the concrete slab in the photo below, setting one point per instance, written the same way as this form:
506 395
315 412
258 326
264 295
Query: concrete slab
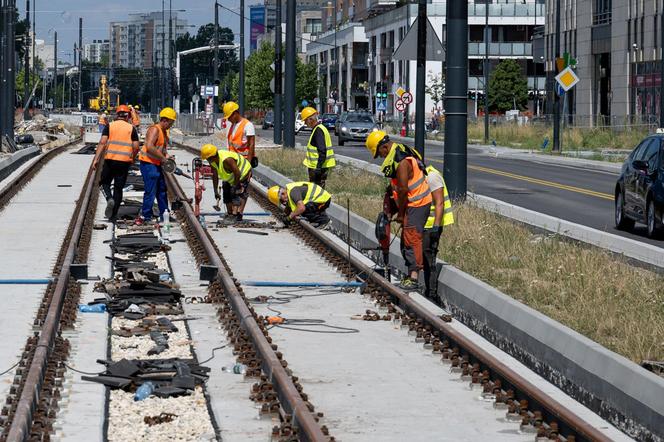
32 228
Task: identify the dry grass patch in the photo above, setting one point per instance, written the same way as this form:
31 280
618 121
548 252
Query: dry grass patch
588 289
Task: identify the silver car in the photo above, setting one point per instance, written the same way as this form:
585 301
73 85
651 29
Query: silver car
356 127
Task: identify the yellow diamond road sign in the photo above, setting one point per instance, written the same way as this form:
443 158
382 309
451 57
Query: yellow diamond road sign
567 79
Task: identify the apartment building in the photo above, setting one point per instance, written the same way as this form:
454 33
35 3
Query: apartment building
618 47
365 49
138 42
96 51
308 27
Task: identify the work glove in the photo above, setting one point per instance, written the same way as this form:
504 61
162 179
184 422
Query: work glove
254 162
436 231
217 196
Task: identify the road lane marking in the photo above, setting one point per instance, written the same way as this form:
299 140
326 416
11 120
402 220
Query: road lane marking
606 196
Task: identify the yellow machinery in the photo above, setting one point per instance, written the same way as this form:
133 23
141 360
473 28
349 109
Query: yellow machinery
102 102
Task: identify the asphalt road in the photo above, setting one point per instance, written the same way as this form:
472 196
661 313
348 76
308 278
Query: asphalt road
571 193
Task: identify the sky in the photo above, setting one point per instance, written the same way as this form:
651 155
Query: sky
62 16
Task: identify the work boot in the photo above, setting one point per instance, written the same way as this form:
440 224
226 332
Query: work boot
110 205
408 284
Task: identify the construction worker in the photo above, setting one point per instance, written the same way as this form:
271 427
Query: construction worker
135 118
440 215
119 146
151 156
320 156
412 196
233 169
304 199
103 122
241 134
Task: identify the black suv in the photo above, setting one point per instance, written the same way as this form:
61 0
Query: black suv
639 194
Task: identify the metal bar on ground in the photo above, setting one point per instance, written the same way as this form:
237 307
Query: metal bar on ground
289 99
302 284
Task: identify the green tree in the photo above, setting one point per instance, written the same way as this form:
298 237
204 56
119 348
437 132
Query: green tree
19 82
507 86
306 81
435 88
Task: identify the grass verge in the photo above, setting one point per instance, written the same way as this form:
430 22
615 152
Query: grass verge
588 289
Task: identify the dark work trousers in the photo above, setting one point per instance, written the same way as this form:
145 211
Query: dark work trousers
318 176
115 171
315 213
430 251
411 237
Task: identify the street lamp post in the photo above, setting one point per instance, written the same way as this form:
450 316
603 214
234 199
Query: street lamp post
370 83
486 73
216 53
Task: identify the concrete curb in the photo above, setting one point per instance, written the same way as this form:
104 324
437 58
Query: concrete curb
630 248
601 166
618 390
9 164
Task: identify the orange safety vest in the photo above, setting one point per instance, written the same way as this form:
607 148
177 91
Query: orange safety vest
120 146
135 119
235 142
419 193
162 142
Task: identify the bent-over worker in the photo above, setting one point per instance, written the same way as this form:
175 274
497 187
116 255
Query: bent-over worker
119 146
320 156
153 153
412 196
304 199
232 169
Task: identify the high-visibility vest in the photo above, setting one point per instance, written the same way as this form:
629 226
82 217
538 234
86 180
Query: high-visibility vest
311 160
315 194
242 164
162 142
235 142
135 118
120 146
448 216
419 193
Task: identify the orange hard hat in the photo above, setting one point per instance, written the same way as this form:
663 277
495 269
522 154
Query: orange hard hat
122 108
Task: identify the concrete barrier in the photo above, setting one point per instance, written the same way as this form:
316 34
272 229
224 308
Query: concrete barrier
618 390
12 162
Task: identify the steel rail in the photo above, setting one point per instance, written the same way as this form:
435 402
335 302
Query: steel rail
21 423
536 397
289 396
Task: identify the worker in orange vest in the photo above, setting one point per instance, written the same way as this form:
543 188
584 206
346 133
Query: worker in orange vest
411 195
119 146
135 118
242 140
151 156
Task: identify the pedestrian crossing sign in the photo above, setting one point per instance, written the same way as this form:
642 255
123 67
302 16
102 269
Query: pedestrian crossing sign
567 79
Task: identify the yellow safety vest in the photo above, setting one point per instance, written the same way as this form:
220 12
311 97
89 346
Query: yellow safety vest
242 164
448 216
315 194
311 160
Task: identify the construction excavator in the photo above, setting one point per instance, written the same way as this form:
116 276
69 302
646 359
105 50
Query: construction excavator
107 98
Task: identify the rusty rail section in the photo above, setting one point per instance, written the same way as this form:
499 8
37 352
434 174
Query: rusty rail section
288 394
17 183
511 390
29 400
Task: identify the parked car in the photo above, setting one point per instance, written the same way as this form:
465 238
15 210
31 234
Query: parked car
356 127
299 123
329 120
639 192
337 123
268 121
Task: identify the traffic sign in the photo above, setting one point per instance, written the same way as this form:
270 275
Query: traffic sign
400 105
305 103
400 91
559 90
316 100
381 105
407 97
567 78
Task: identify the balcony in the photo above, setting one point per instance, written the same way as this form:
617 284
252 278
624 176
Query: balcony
501 49
503 9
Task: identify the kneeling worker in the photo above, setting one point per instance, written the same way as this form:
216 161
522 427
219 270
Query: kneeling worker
440 215
412 196
235 171
304 199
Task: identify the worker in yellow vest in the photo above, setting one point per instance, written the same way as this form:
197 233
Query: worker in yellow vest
320 156
119 146
153 153
304 199
440 215
412 196
233 169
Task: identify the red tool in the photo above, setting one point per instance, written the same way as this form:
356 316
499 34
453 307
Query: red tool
199 187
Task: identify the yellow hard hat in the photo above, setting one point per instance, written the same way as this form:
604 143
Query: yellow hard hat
375 140
273 195
307 112
208 150
229 108
168 112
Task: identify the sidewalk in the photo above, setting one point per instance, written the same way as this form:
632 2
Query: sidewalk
527 155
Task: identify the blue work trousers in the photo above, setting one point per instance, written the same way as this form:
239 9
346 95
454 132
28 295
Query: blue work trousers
155 187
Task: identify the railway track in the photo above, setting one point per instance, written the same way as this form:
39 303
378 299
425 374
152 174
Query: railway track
30 406
523 402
